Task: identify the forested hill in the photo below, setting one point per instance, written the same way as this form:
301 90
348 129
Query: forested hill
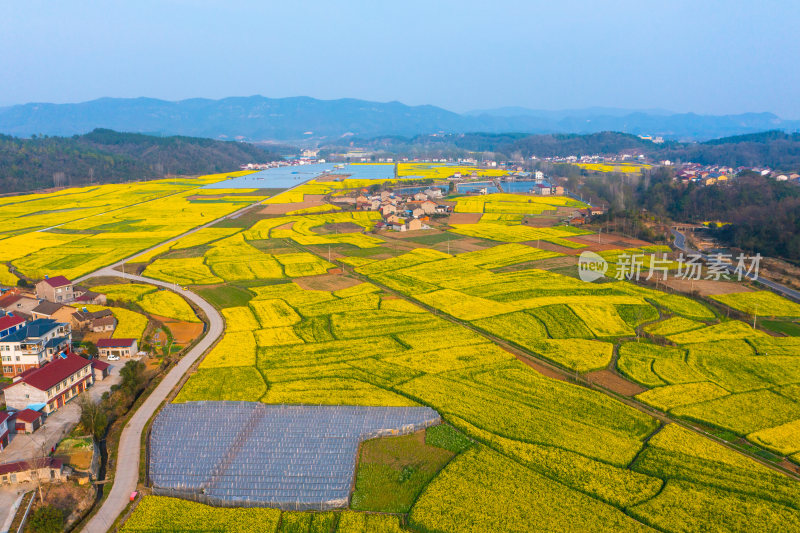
106 156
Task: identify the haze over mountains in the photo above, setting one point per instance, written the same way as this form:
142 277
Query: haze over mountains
258 118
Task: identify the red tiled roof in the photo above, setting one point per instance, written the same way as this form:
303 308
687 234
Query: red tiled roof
99 365
3 416
54 372
57 281
115 343
10 321
22 466
8 299
28 415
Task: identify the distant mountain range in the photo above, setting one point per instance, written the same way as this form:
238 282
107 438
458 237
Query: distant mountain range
257 118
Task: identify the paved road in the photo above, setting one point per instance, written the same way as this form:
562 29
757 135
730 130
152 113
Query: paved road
126 474
10 499
680 243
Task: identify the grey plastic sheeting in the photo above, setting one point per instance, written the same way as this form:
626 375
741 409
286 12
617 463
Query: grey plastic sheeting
251 454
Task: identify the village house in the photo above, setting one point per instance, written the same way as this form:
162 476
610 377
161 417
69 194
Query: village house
33 345
101 369
3 430
87 297
415 224
96 321
46 470
428 207
433 193
103 324
19 304
388 209
420 197
27 421
417 213
55 289
117 347
10 323
53 310
54 384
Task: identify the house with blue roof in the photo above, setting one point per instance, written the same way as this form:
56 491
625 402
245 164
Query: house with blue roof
33 345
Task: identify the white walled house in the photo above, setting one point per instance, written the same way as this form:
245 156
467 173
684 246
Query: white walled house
54 384
33 345
118 347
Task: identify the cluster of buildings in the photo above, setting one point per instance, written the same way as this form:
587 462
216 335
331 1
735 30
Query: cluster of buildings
714 174
302 160
400 212
36 351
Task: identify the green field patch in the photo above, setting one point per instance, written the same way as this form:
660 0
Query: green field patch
392 471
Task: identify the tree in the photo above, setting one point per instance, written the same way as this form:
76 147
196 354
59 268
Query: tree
47 519
93 417
91 348
131 375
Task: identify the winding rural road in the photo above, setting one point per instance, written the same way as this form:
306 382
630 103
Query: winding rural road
126 475
680 243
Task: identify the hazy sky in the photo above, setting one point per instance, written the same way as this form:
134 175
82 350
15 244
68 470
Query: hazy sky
702 56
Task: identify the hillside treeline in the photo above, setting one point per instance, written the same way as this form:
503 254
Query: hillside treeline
106 156
764 214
